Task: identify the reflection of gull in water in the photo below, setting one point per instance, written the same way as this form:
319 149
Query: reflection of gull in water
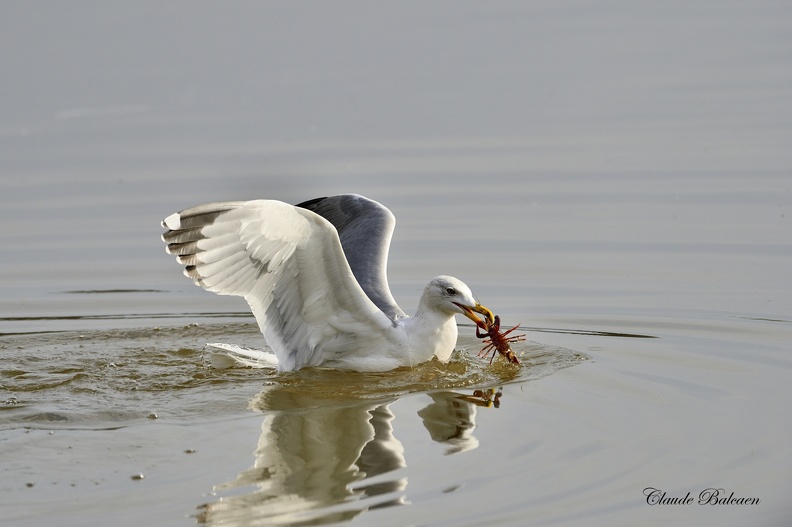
323 461
315 277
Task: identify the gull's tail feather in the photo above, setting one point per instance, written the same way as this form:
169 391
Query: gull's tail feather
230 355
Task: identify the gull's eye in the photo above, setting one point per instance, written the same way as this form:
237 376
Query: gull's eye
451 291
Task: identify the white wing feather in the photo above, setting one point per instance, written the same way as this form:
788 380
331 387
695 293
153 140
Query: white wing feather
230 355
289 265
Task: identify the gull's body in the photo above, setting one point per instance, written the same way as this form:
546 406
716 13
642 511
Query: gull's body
315 278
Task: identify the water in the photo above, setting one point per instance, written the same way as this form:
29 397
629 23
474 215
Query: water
614 177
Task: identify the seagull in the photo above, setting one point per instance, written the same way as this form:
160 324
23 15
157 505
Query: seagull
315 277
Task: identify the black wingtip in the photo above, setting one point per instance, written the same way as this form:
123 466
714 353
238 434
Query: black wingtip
311 203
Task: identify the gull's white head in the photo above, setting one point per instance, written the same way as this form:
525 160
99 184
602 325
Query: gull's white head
452 296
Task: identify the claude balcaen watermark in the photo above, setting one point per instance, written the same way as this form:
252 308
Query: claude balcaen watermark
710 496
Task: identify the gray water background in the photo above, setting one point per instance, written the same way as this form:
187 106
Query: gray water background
613 175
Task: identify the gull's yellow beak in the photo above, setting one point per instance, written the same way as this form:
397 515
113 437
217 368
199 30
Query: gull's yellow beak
478 308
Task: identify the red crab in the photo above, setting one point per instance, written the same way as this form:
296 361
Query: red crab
497 341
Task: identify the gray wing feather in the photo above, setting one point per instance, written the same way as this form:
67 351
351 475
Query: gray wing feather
365 228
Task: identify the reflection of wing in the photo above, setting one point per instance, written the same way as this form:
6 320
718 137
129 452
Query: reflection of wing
309 462
288 263
365 228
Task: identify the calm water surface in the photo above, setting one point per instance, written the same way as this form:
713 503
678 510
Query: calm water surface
652 362
633 216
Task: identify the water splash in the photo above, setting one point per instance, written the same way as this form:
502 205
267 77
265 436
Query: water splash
103 378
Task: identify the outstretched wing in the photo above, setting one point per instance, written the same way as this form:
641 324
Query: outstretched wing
287 262
365 228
